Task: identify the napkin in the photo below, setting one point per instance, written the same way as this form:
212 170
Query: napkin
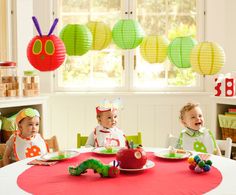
42 162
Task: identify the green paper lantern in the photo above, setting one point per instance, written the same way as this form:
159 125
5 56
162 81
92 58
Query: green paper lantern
179 51
154 49
207 58
127 34
101 35
77 39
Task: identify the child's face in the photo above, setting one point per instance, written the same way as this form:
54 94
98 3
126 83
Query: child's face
29 126
193 119
108 119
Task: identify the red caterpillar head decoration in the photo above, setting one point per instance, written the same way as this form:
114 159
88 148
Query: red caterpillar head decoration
46 52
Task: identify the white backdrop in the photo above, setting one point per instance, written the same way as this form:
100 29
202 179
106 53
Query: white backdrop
155 115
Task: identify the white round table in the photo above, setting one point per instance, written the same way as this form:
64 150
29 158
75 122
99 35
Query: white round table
227 167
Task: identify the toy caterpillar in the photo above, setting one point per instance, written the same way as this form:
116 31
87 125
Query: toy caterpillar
97 166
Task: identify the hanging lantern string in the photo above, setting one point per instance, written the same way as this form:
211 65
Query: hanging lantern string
36 24
53 26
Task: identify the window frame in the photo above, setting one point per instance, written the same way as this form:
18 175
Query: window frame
128 7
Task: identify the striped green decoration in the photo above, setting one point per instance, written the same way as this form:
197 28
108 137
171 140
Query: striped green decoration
127 34
77 39
101 35
179 51
207 58
154 49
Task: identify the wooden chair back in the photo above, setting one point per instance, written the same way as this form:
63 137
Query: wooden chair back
2 150
52 144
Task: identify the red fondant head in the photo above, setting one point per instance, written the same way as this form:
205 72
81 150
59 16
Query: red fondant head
113 171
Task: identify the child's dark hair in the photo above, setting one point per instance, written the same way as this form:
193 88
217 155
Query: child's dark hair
189 106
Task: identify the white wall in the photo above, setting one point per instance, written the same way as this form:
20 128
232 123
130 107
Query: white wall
24 32
220 28
153 114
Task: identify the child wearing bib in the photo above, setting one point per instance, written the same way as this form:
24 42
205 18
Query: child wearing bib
26 142
195 136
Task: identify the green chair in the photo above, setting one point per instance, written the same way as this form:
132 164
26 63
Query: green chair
137 139
81 140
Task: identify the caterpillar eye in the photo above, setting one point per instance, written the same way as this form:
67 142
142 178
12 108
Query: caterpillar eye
37 47
49 47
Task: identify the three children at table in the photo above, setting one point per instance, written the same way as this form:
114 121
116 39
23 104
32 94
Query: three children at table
26 141
195 136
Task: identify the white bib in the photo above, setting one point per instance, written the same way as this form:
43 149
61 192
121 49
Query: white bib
113 137
204 142
27 148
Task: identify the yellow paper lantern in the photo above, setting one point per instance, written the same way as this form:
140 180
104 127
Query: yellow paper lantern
101 35
154 49
207 58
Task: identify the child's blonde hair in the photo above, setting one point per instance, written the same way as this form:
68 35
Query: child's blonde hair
189 106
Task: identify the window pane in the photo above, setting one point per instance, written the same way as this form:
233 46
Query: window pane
105 6
95 69
74 6
107 69
104 69
170 18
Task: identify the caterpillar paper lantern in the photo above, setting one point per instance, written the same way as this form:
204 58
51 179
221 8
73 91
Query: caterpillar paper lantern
45 52
77 39
127 34
154 49
179 51
97 166
101 35
207 58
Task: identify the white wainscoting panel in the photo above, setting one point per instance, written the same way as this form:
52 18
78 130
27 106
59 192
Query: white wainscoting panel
155 115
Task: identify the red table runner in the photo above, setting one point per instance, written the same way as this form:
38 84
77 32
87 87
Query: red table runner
166 177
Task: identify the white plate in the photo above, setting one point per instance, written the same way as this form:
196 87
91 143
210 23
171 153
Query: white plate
60 155
179 155
104 151
149 164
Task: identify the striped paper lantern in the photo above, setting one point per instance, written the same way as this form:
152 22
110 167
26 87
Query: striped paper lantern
101 35
179 51
154 49
207 58
77 39
127 34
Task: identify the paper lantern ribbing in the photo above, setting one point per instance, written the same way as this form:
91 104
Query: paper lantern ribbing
154 49
101 35
46 52
127 34
179 51
207 58
77 39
